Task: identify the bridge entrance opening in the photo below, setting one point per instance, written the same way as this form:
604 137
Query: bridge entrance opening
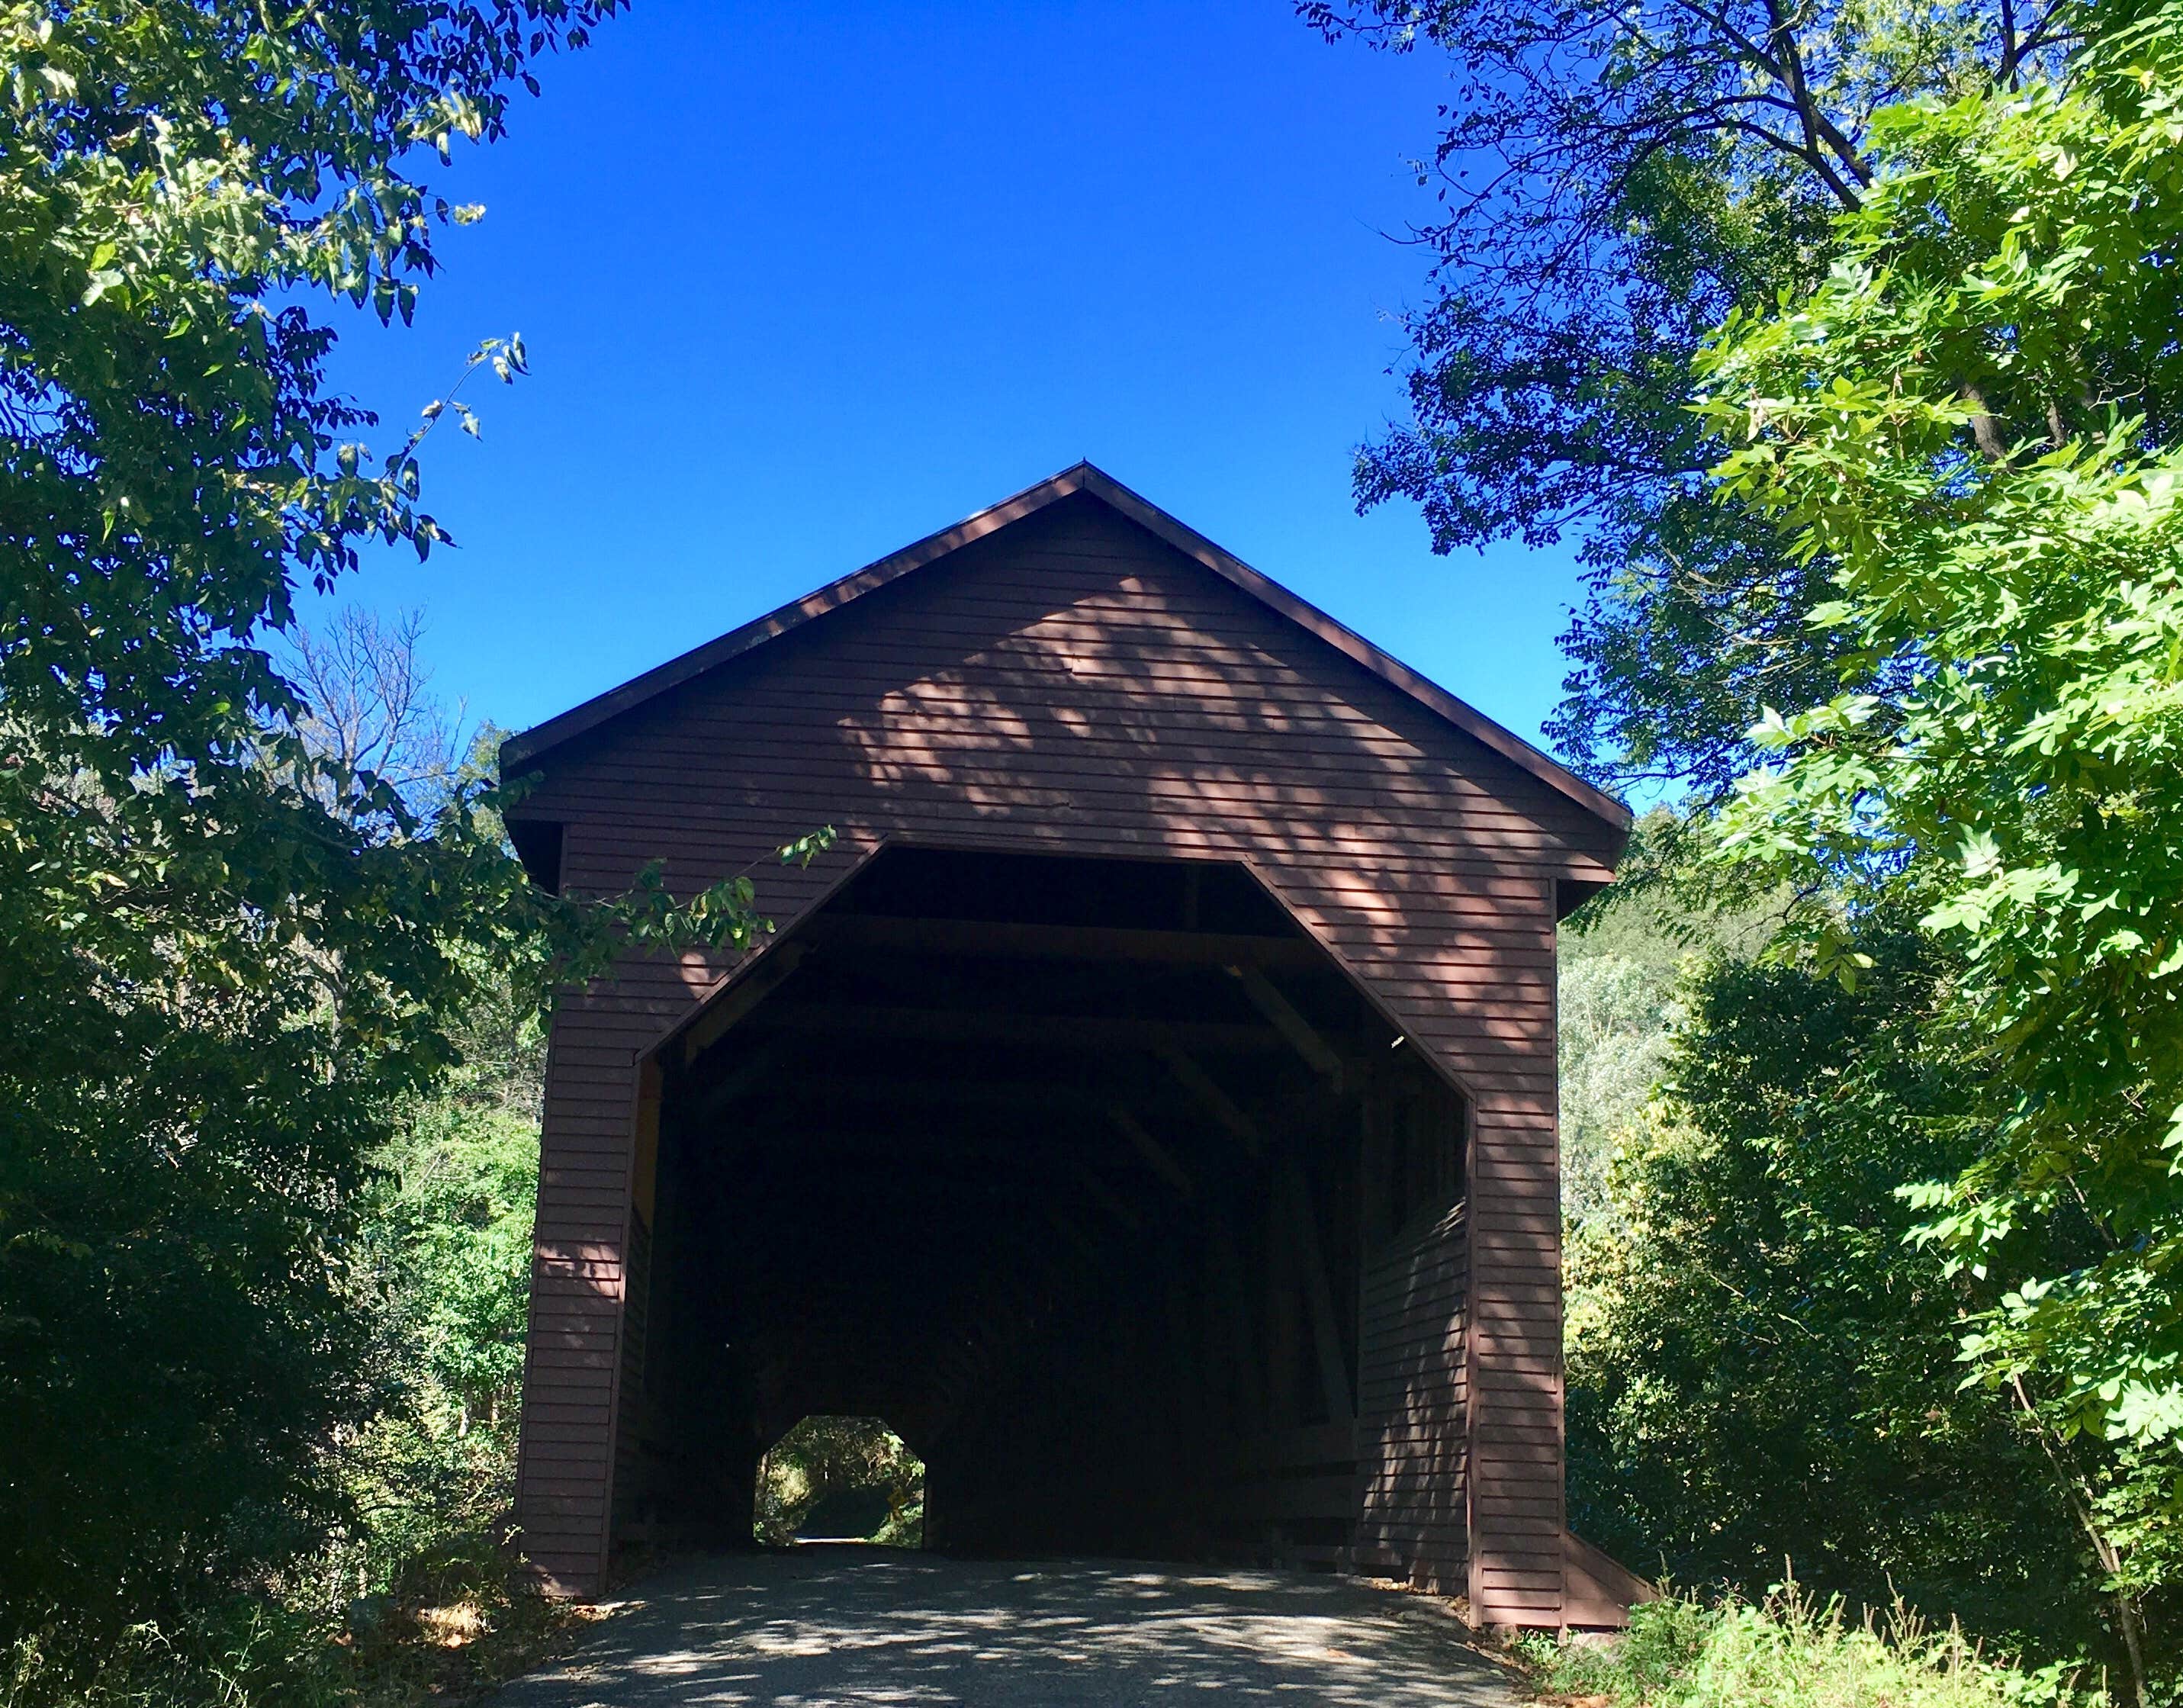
1098 1179
841 1479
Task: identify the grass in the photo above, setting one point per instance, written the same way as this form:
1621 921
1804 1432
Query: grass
1790 1650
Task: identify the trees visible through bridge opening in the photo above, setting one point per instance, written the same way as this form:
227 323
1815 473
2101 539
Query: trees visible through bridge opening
841 1479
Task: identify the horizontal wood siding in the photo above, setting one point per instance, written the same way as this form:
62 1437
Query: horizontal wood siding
1513 1336
1071 684
1412 1441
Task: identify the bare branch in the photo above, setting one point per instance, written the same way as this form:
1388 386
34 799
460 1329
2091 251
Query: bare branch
368 702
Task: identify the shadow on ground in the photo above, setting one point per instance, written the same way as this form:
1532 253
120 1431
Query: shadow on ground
827 1624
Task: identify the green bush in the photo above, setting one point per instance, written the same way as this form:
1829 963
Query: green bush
241 1652
461 1619
1794 1650
1761 1366
391 1585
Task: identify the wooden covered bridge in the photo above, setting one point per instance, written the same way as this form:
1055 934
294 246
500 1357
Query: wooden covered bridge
1146 1105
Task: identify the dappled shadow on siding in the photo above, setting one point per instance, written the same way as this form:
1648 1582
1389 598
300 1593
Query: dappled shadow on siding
838 1625
1070 685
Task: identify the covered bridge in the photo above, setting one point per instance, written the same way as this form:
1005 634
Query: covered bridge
1146 1105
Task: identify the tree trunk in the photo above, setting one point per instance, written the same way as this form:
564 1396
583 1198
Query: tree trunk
2077 1492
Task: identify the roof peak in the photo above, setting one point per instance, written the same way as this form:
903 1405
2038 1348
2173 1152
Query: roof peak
1087 477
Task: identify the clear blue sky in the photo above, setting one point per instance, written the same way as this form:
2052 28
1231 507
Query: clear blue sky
800 284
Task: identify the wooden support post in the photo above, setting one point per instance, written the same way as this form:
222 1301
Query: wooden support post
1107 1199
1281 1014
1318 1294
1186 1364
1250 1389
1281 1323
1161 1159
644 1162
1200 1085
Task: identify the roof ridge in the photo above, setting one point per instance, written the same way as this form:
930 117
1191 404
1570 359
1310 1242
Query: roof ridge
1085 476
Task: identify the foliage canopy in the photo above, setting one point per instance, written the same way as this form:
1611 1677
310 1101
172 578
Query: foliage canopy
1956 420
1760 1369
1612 180
229 956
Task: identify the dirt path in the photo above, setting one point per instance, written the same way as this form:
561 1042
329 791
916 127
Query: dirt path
835 1625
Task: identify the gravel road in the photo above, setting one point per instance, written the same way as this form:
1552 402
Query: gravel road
827 1624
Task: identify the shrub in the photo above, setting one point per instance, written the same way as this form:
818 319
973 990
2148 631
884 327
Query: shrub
458 1622
1793 1650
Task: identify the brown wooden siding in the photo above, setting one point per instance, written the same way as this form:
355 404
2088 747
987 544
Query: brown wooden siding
1072 684
1412 1438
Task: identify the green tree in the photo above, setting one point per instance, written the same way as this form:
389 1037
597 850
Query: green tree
1622 959
228 961
1967 420
446 1231
1612 181
1918 497
1613 1017
1761 1369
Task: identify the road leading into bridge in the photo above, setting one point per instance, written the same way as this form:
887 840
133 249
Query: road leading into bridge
826 1624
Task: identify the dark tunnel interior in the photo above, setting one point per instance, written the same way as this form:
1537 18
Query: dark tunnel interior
1068 1169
